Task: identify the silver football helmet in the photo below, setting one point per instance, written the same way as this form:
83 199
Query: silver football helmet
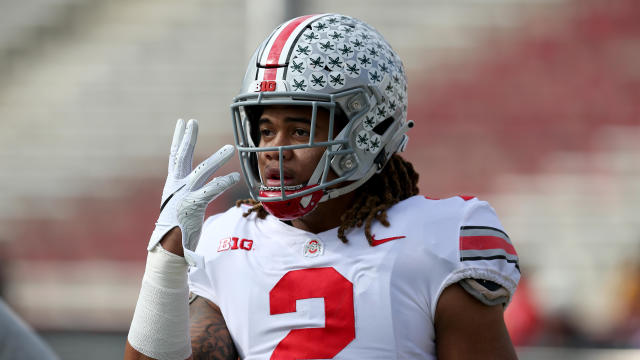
333 62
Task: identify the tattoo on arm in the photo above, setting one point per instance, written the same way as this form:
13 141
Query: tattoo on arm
210 338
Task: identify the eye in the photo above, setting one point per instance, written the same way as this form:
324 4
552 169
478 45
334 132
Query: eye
266 132
301 132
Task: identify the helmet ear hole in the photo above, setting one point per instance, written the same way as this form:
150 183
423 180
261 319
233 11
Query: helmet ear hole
382 127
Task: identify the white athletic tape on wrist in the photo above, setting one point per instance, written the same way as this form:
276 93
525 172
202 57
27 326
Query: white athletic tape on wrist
160 325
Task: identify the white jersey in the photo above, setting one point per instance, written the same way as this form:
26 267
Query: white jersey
290 294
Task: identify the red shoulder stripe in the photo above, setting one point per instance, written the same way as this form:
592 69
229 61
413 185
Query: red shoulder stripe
486 243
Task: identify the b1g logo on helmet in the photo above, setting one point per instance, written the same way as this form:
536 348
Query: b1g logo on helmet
234 243
268 85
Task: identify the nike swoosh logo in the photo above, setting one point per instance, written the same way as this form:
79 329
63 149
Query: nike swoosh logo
169 198
376 242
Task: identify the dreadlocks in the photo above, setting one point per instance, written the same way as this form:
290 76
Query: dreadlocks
396 182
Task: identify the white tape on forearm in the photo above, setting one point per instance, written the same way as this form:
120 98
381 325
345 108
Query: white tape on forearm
160 325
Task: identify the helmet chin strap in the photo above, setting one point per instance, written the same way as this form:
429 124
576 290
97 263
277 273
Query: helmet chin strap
317 173
334 193
313 180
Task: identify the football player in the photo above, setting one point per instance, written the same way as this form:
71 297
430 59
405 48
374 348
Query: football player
336 255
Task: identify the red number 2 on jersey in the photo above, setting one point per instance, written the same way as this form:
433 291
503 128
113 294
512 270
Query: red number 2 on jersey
339 329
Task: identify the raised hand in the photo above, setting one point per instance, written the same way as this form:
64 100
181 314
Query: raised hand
186 193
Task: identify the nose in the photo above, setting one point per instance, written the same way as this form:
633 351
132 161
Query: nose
280 140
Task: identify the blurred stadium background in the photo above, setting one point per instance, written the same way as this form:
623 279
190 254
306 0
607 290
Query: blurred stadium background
533 105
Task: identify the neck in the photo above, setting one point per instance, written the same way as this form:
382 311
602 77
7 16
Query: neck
326 215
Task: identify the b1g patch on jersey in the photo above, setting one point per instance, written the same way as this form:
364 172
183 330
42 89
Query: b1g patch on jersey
313 248
486 243
234 243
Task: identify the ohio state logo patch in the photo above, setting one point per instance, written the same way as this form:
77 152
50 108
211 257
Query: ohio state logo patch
313 248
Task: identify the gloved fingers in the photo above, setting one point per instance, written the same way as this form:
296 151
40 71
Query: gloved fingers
184 157
217 186
178 133
190 241
209 166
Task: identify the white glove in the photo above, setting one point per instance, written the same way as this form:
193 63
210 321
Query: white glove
185 196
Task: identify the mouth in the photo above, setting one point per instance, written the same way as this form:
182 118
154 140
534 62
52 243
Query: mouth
272 180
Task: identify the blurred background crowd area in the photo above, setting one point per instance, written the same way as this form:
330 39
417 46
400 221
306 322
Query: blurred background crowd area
533 105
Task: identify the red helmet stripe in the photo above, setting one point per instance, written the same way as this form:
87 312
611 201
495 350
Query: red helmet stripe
275 52
270 73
